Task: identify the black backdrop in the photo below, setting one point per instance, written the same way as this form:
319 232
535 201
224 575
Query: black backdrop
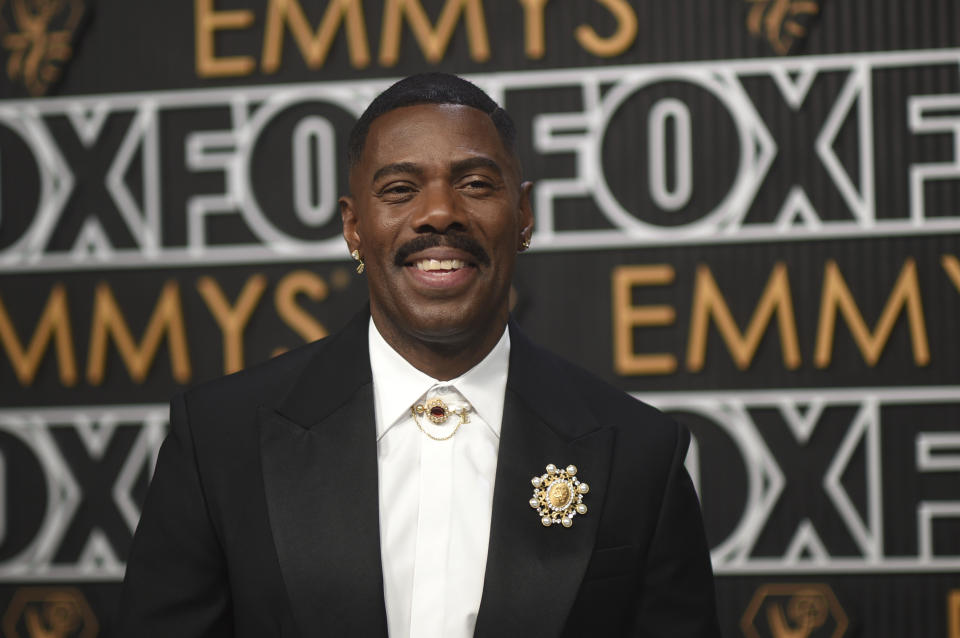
747 214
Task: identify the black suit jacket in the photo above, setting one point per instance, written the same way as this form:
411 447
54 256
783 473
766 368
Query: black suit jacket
263 520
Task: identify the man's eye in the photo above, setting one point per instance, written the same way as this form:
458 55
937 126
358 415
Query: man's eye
397 191
477 184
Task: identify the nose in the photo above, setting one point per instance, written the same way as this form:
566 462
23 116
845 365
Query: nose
440 211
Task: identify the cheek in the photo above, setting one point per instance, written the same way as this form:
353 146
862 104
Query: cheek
377 238
498 229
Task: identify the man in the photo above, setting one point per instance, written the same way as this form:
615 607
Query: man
427 471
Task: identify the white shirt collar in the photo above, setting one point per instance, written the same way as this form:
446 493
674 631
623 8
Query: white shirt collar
397 385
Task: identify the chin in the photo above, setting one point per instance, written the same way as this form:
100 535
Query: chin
445 325
452 321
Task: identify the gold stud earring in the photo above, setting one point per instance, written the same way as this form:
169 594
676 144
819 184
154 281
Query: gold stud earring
524 244
360 266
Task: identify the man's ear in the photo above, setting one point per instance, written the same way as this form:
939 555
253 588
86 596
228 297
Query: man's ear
348 216
526 212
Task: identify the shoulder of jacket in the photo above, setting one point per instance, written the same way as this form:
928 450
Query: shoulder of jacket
610 404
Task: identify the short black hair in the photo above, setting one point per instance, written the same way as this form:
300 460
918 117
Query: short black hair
430 88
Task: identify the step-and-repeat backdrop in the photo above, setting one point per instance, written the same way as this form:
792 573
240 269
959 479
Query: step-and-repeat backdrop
747 213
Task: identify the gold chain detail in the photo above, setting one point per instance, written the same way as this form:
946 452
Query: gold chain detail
461 414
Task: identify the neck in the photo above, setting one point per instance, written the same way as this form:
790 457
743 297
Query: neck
442 358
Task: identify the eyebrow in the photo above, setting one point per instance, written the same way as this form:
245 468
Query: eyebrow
471 163
460 166
397 168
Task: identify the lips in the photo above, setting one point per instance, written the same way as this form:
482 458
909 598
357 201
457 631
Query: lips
440 269
433 265
444 263
440 247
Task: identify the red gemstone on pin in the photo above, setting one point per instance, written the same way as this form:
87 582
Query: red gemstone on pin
438 412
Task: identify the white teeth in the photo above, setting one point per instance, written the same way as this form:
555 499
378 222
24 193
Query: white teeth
434 264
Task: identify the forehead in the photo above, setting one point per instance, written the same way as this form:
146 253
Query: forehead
432 133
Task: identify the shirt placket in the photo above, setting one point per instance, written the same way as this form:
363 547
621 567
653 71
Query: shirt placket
430 587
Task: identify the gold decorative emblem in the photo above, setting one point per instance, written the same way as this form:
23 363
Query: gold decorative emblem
39 39
60 612
784 23
438 412
794 610
558 495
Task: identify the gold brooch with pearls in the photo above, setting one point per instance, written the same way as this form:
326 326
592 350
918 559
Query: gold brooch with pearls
558 495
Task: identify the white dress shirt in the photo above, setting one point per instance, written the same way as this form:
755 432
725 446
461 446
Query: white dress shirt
436 497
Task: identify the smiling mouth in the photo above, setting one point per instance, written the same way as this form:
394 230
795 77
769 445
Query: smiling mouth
455 246
439 265
441 272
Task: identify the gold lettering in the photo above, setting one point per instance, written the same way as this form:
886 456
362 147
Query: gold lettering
108 321
314 46
952 265
780 21
433 41
208 22
621 39
310 284
836 296
533 28
232 321
54 324
709 302
627 316
953 613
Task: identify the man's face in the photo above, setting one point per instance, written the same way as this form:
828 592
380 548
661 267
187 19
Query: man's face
438 214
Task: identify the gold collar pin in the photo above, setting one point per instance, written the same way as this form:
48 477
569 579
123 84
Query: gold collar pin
438 412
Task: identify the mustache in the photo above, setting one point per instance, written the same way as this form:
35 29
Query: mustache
458 241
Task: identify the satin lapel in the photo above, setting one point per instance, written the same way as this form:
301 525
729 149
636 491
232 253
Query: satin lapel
533 573
318 450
